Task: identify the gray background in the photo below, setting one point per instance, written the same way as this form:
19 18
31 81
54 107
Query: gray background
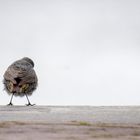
87 52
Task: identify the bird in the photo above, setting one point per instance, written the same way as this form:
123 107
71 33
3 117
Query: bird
20 79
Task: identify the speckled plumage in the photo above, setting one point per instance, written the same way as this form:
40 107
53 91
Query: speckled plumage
20 78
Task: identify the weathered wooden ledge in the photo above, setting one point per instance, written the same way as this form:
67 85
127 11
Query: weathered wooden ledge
69 123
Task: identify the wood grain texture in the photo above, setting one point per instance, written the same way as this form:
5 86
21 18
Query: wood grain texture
69 123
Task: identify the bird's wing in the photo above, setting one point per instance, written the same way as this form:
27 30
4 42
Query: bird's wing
22 70
18 69
9 76
29 78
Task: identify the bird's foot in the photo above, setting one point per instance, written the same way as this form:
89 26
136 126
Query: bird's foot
10 104
29 104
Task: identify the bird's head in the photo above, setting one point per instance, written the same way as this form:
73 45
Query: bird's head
28 60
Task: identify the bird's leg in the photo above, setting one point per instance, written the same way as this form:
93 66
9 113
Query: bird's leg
11 100
29 104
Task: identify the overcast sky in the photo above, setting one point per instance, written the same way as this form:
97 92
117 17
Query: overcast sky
86 52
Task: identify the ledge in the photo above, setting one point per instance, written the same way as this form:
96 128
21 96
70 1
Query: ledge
69 122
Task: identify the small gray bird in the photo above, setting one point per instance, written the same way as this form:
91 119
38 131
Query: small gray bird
20 79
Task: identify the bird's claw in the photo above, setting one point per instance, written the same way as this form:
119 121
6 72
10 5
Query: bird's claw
29 104
10 104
